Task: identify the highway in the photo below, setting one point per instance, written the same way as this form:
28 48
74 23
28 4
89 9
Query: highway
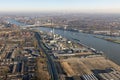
51 64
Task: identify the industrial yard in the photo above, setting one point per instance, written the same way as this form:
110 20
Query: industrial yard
75 61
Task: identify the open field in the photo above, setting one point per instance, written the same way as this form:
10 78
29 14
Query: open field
67 68
82 66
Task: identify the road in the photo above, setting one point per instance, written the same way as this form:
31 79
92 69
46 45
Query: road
51 64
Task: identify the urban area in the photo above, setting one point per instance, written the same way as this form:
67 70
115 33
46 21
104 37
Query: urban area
27 52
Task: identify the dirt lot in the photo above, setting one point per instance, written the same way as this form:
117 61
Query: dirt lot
67 68
79 66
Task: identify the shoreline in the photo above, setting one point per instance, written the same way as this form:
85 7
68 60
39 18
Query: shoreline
109 39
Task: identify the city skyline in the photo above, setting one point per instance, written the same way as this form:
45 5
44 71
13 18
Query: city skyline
60 5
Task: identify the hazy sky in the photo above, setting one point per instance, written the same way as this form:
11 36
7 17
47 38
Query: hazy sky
60 5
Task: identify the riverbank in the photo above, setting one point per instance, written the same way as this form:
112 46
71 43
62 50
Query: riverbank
73 60
88 39
109 39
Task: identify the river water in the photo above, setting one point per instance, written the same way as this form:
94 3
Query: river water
111 50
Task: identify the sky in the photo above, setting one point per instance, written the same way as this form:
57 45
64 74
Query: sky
60 5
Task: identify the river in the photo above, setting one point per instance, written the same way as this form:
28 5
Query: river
13 21
111 50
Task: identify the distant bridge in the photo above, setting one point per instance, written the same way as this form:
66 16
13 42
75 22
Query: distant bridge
30 26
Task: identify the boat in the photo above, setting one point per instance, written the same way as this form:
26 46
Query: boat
76 39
